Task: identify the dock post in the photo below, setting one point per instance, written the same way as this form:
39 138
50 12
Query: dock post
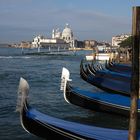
135 73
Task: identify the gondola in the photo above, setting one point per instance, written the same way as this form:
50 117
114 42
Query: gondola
49 127
92 69
121 68
107 84
97 101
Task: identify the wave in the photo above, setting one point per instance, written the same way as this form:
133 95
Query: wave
15 57
9 57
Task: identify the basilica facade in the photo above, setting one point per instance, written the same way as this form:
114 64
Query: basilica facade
66 35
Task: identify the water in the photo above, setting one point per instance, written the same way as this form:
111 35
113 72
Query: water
43 74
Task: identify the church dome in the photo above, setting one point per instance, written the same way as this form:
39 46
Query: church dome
67 32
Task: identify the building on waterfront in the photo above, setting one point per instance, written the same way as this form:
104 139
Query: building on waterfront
80 44
118 39
90 43
41 41
24 44
64 39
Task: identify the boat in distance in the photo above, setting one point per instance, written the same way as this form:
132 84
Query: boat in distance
98 56
49 127
97 101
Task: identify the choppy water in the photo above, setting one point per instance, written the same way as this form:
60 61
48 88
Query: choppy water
43 74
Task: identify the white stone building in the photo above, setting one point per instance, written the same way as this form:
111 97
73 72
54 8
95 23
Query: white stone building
39 41
66 35
118 39
59 39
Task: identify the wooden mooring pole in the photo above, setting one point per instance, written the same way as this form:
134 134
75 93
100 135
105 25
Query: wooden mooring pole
135 73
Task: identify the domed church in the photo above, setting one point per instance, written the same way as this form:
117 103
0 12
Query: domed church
64 39
66 35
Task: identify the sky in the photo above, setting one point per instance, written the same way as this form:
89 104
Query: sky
22 20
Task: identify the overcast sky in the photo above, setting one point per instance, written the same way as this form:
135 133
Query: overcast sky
21 20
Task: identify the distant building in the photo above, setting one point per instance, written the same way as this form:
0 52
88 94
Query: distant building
59 39
41 41
105 47
118 39
80 44
24 44
90 43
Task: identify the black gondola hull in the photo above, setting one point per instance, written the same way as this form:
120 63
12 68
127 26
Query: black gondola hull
96 104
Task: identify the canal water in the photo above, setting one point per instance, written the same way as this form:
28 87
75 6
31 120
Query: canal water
43 72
